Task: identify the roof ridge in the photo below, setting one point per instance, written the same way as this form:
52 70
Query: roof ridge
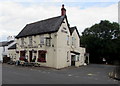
44 20
49 25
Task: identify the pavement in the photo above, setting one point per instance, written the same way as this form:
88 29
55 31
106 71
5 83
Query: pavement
90 74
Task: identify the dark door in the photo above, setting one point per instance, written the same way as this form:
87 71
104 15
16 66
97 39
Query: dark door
72 60
30 56
22 53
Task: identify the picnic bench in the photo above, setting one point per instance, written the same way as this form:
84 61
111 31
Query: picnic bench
35 64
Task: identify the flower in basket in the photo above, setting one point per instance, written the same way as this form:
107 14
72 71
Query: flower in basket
41 60
22 58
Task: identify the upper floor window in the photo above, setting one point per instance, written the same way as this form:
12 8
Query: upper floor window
22 41
30 40
64 28
42 40
3 49
48 41
73 41
67 39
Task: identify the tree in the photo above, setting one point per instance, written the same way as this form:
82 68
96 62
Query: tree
102 41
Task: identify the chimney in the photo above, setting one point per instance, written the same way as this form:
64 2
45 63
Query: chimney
63 10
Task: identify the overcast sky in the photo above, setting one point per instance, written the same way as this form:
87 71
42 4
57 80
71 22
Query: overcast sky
15 14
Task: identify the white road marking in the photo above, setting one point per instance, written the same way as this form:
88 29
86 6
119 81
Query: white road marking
69 75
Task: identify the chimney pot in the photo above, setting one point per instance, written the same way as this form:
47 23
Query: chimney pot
63 10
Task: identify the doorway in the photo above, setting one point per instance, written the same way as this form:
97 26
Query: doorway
72 60
30 56
22 53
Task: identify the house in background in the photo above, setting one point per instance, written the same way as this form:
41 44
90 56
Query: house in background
12 52
50 42
4 47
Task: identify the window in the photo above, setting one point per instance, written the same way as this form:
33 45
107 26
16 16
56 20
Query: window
3 49
30 40
42 40
68 56
67 40
48 41
22 41
15 56
64 28
73 41
77 57
41 56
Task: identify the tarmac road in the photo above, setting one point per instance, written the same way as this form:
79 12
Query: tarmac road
90 74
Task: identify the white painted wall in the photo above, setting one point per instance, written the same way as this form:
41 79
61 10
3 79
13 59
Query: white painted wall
62 46
77 48
51 51
56 55
5 52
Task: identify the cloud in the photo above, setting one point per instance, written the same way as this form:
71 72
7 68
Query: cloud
14 16
87 17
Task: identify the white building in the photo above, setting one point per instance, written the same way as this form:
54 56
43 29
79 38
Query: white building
51 42
4 48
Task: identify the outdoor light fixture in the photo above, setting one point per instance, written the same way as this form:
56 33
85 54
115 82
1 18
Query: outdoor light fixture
32 50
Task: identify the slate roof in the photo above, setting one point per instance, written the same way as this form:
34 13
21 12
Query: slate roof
72 30
12 47
41 27
5 43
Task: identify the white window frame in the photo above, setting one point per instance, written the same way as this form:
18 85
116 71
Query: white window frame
73 41
77 58
30 40
67 39
22 41
67 56
42 40
48 41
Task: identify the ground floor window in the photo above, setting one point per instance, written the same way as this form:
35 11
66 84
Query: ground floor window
22 55
77 57
68 56
41 56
